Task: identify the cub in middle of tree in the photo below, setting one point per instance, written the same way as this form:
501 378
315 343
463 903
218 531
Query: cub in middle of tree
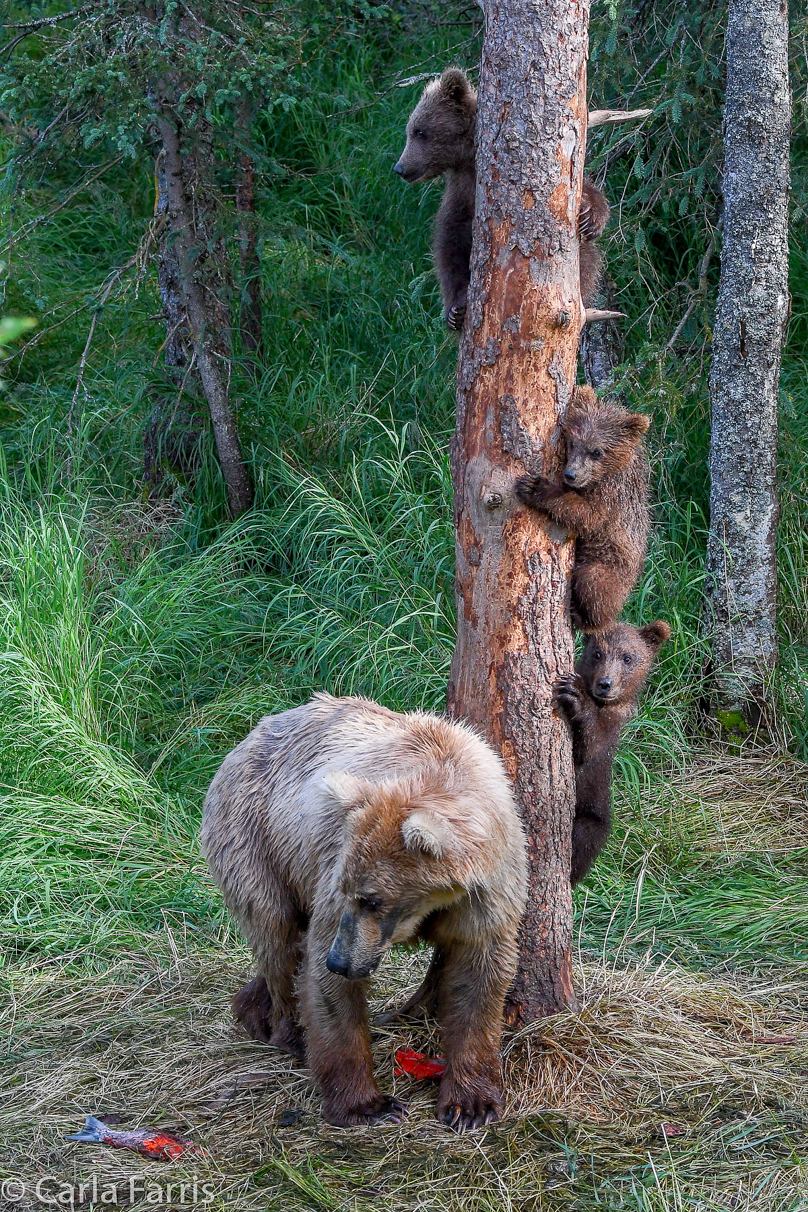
597 700
440 143
603 498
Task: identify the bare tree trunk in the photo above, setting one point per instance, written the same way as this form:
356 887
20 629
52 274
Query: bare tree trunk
602 342
753 306
188 198
177 348
250 317
171 437
516 368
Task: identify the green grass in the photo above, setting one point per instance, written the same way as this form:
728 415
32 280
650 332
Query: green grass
140 639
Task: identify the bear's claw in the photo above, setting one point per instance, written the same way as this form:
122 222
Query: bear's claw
466 1109
455 317
532 490
568 695
463 1119
393 1112
383 1109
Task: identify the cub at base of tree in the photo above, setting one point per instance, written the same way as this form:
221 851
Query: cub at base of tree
597 700
340 829
440 142
604 500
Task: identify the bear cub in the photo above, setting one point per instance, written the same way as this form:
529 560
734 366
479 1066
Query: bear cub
440 142
597 700
340 829
603 499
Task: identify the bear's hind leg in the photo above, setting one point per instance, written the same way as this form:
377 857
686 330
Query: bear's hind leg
599 593
425 998
267 1007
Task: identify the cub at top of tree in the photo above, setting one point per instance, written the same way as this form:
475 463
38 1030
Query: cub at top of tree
603 499
597 700
340 829
440 142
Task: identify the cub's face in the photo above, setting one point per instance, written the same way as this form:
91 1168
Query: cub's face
615 663
440 131
600 442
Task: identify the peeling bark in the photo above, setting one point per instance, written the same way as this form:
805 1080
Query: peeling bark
517 363
753 306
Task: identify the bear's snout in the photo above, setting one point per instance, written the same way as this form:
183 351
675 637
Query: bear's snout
399 168
341 953
337 963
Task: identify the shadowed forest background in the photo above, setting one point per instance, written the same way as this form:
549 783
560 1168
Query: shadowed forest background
142 633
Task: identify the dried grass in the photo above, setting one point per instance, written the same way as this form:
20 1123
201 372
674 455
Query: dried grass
744 802
721 1062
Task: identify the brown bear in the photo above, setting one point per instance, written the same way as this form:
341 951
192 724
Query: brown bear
340 829
597 700
440 142
604 499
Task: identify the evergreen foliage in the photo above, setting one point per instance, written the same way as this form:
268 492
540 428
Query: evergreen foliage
141 634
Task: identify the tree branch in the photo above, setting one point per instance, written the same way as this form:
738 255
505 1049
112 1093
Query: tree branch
610 117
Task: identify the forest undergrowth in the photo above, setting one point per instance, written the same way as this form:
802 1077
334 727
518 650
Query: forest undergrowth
142 634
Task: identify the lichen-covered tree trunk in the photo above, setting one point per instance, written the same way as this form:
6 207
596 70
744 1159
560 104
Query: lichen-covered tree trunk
250 313
169 436
753 306
516 369
602 342
201 265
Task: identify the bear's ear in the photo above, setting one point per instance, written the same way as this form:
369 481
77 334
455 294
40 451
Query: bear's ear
346 788
655 634
634 425
428 833
583 399
454 85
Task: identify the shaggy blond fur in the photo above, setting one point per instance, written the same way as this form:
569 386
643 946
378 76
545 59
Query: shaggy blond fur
339 829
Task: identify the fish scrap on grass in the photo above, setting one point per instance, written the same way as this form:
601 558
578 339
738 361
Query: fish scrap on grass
148 1142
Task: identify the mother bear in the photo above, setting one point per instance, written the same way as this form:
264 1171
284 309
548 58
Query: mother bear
339 829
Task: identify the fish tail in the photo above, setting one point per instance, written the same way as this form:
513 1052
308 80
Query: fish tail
93 1130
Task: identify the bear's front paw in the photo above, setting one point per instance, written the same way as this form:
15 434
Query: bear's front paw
464 1110
455 317
380 1109
533 490
568 694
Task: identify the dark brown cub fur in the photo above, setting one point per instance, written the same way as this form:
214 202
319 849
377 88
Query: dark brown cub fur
597 700
603 498
440 142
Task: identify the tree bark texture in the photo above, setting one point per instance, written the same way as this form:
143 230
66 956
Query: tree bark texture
177 350
517 364
752 311
193 239
171 438
250 316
